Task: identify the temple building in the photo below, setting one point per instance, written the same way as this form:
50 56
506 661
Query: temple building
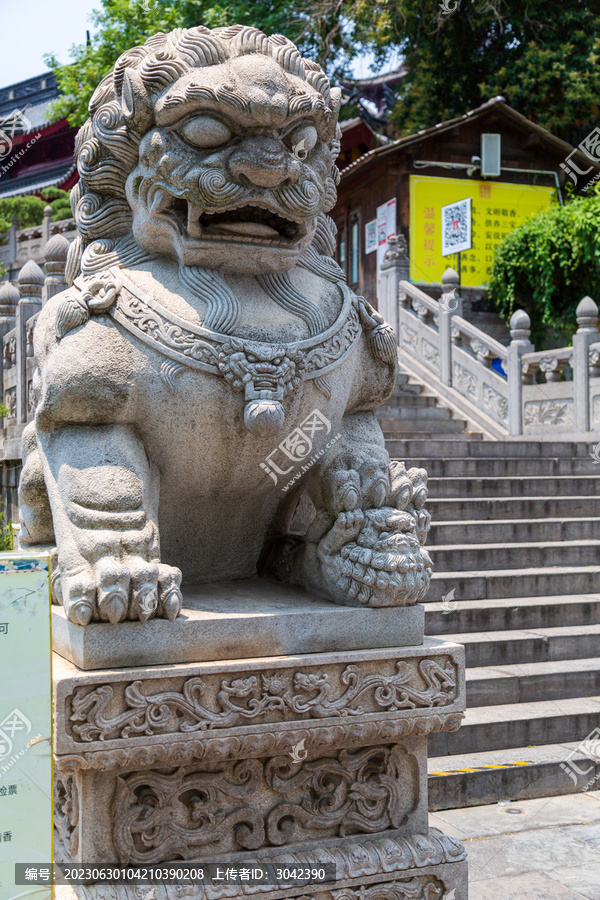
34 153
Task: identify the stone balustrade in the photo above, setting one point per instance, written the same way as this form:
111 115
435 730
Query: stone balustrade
20 306
507 390
21 244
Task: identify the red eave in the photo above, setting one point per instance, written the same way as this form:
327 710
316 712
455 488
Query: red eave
44 131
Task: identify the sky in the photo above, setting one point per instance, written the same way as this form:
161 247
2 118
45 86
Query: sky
31 28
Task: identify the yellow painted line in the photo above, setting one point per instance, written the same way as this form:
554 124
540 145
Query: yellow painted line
480 768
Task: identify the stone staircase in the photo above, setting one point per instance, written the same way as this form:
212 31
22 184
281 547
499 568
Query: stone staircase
515 542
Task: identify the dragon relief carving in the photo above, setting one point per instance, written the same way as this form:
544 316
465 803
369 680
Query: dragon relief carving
416 684
251 804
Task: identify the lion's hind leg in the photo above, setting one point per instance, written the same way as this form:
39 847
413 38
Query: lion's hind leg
34 505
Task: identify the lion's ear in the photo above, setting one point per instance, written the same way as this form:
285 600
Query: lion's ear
336 100
135 102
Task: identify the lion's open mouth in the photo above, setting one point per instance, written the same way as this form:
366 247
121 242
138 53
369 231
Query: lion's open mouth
252 220
249 223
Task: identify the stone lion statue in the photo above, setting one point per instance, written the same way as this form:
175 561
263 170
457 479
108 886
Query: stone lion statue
206 384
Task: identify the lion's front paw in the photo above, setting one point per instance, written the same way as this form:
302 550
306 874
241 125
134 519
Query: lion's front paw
111 591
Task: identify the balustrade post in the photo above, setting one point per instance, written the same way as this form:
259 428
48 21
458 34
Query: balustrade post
46 224
9 297
13 250
394 269
55 255
520 330
31 281
450 305
586 334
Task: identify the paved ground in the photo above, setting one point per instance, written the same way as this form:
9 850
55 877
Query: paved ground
548 851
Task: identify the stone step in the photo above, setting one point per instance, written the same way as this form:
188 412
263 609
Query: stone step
410 412
417 425
519 613
430 437
395 405
410 389
511 530
529 582
509 648
519 725
532 682
531 486
469 446
517 555
493 508
507 466
521 773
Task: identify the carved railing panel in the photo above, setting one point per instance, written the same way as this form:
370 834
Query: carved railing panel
518 388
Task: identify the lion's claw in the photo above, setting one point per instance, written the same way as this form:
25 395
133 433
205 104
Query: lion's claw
112 591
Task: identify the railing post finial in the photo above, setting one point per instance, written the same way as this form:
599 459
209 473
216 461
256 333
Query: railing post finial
520 331
586 334
587 315
520 327
55 254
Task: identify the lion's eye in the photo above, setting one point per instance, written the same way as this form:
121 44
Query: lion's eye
302 140
204 131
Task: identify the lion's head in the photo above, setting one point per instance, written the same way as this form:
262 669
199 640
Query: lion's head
215 147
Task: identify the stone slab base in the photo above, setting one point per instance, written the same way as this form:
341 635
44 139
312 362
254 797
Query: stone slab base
428 866
237 620
299 758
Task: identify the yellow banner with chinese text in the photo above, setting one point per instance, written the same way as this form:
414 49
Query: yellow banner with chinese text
497 209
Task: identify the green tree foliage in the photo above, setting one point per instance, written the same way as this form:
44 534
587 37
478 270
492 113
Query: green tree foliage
547 265
121 24
541 55
29 209
5 527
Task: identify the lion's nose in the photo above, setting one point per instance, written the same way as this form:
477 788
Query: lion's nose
263 161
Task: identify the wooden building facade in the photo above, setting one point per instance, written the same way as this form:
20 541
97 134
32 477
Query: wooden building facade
529 156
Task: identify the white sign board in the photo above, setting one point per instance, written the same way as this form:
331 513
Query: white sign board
371 236
456 227
386 227
26 805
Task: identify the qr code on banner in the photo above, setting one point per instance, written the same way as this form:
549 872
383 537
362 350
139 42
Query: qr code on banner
455 225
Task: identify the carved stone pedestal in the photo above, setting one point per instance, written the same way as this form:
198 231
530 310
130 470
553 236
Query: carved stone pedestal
300 759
